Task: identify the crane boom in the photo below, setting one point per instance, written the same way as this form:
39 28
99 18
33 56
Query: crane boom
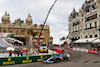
45 21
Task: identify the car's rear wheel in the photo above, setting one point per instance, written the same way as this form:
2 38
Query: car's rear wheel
55 60
66 58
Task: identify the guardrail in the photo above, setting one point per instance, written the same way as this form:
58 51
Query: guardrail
85 50
22 59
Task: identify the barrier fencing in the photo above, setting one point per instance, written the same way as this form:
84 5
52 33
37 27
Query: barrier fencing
22 59
85 50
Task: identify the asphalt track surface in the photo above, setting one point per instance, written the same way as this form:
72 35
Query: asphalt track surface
4 44
77 59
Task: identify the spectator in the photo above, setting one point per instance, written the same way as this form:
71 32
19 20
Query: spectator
33 53
21 53
10 53
18 52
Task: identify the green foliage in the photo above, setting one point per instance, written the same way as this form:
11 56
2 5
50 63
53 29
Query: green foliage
10 35
21 22
32 33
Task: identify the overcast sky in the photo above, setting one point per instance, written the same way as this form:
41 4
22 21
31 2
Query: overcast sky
58 18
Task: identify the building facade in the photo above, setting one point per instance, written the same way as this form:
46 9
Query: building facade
19 28
86 22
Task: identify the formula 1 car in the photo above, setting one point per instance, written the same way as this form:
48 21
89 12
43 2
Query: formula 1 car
56 58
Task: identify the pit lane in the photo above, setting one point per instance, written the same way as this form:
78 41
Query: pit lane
77 59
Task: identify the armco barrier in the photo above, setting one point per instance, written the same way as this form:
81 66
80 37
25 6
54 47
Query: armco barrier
22 59
85 50
80 49
93 51
70 48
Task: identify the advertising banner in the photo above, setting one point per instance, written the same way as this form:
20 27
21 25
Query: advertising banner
80 49
75 49
84 50
22 59
70 48
93 51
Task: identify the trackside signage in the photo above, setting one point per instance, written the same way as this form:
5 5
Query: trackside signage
85 50
22 59
70 48
93 51
8 62
27 60
80 49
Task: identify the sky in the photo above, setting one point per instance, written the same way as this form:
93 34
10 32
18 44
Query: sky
38 9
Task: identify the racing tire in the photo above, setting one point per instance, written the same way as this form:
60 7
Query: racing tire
55 60
58 60
66 58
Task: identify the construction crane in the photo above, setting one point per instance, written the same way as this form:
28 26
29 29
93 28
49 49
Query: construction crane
45 22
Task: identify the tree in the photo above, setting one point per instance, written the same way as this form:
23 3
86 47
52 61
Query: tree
30 32
10 35
61 40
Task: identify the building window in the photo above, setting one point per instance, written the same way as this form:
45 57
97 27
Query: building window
16 32
96 35
4 31
99 23
86 37
95 24
90 25
4 22
17 23
10 31
35 25
90 36
90 17
85 26
23 33
82 15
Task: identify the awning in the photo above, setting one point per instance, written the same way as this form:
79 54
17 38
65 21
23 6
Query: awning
15 40
87 40
19 41
96 41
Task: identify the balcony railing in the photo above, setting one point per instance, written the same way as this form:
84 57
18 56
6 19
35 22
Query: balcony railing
91 18
90 28
40 36
75 31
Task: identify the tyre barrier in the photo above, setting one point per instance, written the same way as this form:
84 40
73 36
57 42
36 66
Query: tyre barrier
22 59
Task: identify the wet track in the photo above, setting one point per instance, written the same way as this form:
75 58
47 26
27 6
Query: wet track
77 59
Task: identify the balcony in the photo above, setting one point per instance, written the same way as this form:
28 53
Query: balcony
76 23
40 36
90 28
19 35
91 18
75 31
